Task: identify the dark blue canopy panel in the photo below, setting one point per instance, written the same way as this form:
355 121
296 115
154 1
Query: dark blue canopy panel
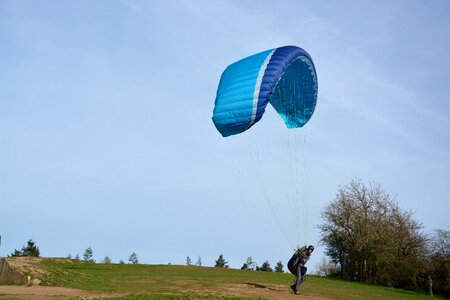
285 77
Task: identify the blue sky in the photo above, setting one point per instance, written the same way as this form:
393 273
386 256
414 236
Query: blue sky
106 137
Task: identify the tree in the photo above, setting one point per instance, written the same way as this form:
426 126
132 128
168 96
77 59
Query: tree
188 261
107 260
279 267
221 262
69 256
371 238
87 256
198 263
249 264
16 253
440 243
121 262
133 259
265 267
439 262
327 268
31 249
77 257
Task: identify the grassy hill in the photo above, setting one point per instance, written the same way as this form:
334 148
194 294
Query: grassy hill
182 282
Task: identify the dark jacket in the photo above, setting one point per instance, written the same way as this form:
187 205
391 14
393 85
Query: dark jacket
299 259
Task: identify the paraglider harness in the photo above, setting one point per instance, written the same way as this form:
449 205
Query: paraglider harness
297 259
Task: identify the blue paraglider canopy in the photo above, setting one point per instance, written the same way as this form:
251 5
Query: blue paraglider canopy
284 76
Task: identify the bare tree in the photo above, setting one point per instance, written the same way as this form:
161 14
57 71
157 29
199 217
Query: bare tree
370 237
107 260
198 263
439 262
249 264
327 268
440 243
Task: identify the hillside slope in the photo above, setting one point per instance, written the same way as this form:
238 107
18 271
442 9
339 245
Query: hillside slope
65 278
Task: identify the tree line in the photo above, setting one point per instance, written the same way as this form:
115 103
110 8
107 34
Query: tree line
31 249
248 265
369 238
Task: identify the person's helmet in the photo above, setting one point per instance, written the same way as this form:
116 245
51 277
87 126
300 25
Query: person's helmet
311 247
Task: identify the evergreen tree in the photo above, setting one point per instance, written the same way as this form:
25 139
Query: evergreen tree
188 261
107 260
279 267
16 253
69 256
29 250
121 262
265 267
133 259
77 257
87 256
221 262
198 263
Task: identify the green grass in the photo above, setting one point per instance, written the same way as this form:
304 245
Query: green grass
181 282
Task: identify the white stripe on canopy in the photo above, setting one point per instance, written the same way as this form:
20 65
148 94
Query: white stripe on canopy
258 86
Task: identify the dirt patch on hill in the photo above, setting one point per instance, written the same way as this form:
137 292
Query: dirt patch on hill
49 292
276 292
27 265
33 267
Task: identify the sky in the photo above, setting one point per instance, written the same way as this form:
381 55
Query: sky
106 138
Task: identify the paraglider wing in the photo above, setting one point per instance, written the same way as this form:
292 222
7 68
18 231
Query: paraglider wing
285 77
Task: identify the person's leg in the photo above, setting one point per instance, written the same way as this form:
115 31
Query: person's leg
293 288
298 280
302 274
